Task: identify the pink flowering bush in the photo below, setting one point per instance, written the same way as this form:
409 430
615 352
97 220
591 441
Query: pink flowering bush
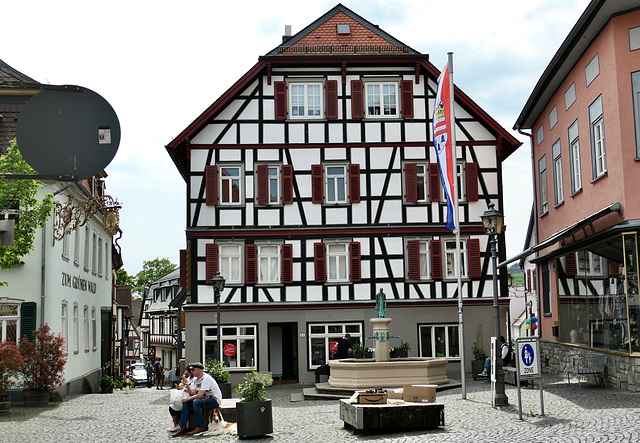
10 363
44 360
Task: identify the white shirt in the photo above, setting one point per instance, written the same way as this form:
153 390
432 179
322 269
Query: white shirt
505 350
208 384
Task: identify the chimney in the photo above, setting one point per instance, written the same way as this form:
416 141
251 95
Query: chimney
287 33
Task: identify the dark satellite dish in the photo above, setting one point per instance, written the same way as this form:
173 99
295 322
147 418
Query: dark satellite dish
68 131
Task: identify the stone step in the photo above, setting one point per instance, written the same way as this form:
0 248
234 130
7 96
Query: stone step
313 394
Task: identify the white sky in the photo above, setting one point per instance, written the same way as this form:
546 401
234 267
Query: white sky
160 64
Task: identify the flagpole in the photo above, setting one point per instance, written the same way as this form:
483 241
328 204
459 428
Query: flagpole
457 230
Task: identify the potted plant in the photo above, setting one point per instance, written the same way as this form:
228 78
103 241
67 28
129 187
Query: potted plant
43 366
253 411
10 362
479 357
401 351
106 384
218 370
357 350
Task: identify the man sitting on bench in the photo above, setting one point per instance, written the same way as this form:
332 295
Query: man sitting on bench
506 357
205 394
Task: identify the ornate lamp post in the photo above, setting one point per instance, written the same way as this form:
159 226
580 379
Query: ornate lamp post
218 286
492 221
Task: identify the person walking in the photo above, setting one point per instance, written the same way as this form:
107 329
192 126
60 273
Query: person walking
159 373
149 369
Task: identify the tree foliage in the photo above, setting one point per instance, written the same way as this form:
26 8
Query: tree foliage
152 270
21 194
123 278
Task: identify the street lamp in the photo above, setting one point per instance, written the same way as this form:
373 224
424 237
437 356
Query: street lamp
492 222
218 286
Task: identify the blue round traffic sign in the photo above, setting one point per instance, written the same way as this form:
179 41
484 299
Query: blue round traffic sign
527 355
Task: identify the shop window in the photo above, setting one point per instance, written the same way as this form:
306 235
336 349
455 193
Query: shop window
439 341
321 335
240 343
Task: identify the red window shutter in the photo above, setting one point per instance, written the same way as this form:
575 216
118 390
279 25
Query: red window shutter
354 183
280 98
473 248
570 267
434 182
529 280
183 268
211 184
212 261
436 260
287 263
410 182
317 184
413 259
331 98
262 184
287 184
357 99
251 264
354 255
320 261
406 87
613 267
471 179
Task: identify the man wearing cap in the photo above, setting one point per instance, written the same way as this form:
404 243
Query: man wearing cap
204 394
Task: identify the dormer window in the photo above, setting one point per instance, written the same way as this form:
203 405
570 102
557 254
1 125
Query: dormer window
344 29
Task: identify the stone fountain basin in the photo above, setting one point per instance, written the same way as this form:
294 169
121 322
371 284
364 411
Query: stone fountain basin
398 372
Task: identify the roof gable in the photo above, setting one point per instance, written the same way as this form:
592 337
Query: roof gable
10 78
322 37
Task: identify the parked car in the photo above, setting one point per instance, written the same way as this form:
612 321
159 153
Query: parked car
138 374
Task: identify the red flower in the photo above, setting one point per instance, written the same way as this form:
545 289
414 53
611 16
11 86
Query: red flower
10 362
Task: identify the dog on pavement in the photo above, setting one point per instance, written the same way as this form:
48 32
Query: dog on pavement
218 425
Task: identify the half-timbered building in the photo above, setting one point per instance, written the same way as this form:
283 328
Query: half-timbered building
312 184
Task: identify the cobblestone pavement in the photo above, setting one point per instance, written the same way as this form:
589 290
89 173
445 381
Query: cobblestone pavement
593 414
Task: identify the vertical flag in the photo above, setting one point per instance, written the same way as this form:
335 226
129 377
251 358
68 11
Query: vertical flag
442 138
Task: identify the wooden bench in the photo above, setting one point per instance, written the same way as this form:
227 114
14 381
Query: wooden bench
391 417
585 364
228 409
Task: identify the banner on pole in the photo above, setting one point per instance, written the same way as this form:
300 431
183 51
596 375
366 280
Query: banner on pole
442 138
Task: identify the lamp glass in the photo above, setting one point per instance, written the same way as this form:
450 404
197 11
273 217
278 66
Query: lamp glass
218 282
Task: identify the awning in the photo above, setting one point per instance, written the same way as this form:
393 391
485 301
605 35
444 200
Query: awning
564 233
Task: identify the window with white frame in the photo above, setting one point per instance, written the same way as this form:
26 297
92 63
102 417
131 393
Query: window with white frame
417 176
241 340
230 262
589 264
381 99
574 152
65 246
87 247
9 322
557 173
76 247
86 329
542 182
76 329
305 100
450 262
321 335
94 329
100 263
439 341
231 185
336 183
268 263
94 254
540 135
338 261
598 150
461 183
417 259
273 187
65 325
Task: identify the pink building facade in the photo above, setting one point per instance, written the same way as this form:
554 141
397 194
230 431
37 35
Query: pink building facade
584 118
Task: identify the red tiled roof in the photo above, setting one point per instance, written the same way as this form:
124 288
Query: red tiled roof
326 40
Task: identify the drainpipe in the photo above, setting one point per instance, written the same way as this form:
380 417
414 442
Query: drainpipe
44 250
